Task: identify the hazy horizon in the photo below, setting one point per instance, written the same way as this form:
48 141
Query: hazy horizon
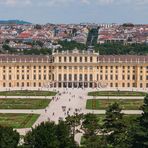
75 11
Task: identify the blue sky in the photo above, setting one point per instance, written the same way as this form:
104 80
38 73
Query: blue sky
75 11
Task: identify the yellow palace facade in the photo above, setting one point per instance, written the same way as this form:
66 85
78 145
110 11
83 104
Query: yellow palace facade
74 69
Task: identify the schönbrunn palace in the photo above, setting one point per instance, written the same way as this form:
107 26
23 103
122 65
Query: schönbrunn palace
74 69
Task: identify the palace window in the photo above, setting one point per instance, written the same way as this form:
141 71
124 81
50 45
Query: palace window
27 77
44 77
70 77
60 59
4 77
141 77
101 77
34 84
80 59
91 77
75 77
4 84
34 77
141 85
106 77
123 77
65 77
80 77
91 59
17 77
75 59
85 59
116 84
123 84
116 77
70 59
128 77
9 84
60 77
85 77
9 77
39 77
65 59
128 84
22 84
22 77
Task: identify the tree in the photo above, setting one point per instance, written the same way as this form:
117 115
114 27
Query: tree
42 136
50 135
91 130
114 126
64 136
6 47
74 121
141 133
8 137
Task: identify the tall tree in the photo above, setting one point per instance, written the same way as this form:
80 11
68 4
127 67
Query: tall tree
114 126
64 136
74 121
42 136
141 134
8 137
91 130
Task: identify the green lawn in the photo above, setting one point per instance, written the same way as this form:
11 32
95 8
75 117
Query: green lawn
27 93
126 104
116 93
18 120
24 103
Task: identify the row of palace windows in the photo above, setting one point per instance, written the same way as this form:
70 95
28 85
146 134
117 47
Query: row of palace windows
128 85
87 77
76 59
76 77
23 84
28 71
29 67
22 77
106 77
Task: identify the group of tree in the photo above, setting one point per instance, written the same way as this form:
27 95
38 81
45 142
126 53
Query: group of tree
70 45
113 132
121 49
92 37
116 132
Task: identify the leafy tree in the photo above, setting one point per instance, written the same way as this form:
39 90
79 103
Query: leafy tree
121 49
43 136
8 137
90 125
114 126
64 136
91 130
141 132
66 45
6 47
74 121
92 37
